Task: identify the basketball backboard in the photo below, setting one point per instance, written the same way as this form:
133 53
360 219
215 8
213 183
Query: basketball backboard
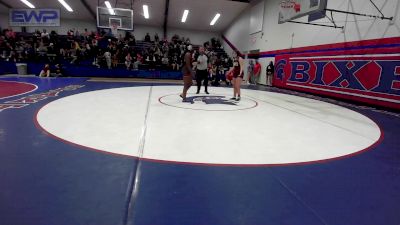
293 9
120 18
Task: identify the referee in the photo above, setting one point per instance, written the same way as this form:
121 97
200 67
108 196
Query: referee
201 72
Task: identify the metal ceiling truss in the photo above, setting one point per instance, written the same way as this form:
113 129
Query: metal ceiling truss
5 4
89 9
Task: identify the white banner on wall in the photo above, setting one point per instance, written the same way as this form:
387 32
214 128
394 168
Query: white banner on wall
34 17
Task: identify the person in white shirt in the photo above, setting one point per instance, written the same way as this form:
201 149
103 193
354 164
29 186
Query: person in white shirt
128 61
44 34
202 72
107 56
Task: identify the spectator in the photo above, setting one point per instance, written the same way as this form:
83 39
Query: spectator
107 57
256 73
128 61
175 39
250 71
77 34
53 37
51 53
71 33
147 38
10 34
137 62
270 73
132 41
157 52
45 71
218 44
75 53
213 42
151 61
115 59
44 34
86 34
42 51
173 61
165 47
99 59
213 74
139 58
165 61
227 64
59 70
156 38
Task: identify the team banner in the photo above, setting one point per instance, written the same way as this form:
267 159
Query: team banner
34 17
293 9
371 78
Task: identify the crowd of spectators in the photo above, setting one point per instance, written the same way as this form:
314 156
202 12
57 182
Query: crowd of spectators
101 49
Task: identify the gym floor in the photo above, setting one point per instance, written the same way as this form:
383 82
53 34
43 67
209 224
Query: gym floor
119 151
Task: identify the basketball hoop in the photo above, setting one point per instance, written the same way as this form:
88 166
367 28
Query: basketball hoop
293 9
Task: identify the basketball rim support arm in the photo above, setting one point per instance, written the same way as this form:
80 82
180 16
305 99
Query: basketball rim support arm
361 14
321 25
316 24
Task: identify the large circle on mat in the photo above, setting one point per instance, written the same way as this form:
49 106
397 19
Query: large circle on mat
282 129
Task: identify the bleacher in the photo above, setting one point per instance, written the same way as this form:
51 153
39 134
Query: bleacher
85 67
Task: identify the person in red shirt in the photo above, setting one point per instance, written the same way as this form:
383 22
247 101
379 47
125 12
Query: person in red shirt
256 72
45 71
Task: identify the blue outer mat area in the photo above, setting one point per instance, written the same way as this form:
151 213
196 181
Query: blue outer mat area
45 182
87 70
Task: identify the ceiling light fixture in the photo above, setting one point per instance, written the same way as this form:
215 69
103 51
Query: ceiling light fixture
185 15
146 11
110 9
66 6
30 5
215 19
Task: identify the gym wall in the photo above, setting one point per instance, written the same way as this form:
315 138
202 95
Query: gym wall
375 82
196 37
276 36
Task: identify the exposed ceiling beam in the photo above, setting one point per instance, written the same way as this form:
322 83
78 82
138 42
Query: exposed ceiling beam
88 8
166 17
5 4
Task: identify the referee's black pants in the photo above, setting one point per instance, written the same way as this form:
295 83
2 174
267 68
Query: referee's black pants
200 76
